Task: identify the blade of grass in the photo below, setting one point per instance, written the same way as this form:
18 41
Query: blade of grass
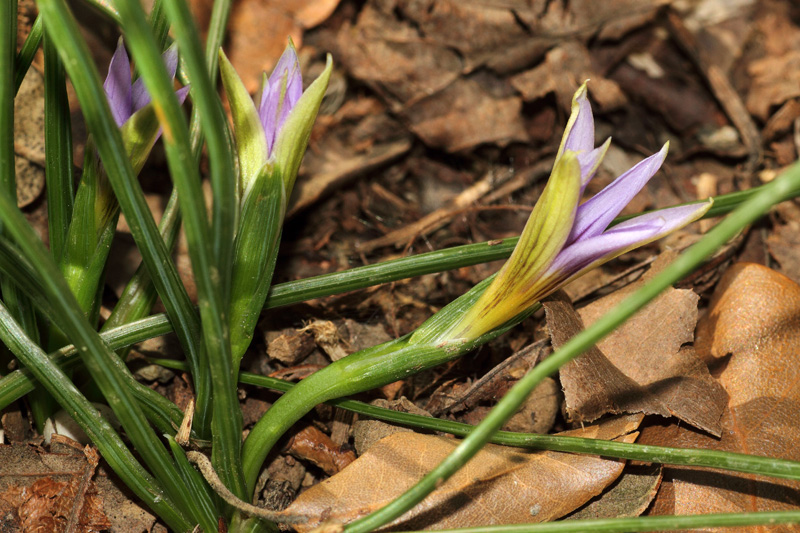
139 295
27 52
17 303
747 213
160 25
226 422
58 149
644 523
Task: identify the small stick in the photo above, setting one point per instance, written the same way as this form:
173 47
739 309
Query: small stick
204 465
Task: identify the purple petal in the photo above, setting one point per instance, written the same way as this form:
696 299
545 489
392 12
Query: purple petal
118 85
170 59
141 97
581 133
590 161
584 253
596 214
280 93
672 218
181 93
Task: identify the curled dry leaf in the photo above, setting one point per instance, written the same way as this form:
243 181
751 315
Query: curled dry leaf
630 495
754 317
500 485
313 445
644 365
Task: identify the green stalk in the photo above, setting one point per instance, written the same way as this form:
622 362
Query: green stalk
746 214
643 523
27 52
737 462
58 149
94 425
361 371
226 422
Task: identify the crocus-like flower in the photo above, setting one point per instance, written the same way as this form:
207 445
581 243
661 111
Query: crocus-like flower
563 240
271 137
273 130
129 101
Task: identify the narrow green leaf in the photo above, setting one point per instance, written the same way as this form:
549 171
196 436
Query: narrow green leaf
27 52
214 125
251 142
61 25
58 149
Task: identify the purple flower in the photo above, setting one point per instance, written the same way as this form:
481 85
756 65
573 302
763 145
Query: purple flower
279 94
272 130
564 239
125 97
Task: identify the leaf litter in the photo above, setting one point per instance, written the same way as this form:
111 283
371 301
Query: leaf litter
751 337
434 96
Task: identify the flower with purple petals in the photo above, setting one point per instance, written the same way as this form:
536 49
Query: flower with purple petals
279 94
564 239
274 130
126 97
129 102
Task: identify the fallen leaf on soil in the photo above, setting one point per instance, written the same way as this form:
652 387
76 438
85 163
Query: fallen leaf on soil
643 366
501 485
564 68
754 316
651 348
775 80
30 476
50 505
629 495
315 446
467 113
258 29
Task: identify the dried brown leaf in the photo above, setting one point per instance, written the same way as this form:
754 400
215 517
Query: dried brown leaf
754 316
629 495
257 32
315 446
42 487
544 485
643 366
564 68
